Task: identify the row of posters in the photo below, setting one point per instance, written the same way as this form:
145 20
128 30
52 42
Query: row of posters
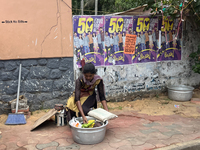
123 40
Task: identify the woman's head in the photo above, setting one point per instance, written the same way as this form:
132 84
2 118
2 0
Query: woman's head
89 71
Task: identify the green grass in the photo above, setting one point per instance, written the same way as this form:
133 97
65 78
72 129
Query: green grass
167 99
120 107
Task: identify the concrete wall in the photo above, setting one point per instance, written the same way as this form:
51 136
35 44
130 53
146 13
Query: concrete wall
44 82
135 81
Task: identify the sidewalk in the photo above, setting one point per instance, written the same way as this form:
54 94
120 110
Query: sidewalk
130 131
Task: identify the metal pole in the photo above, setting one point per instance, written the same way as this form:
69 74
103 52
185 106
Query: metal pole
96 6
82 3
18 89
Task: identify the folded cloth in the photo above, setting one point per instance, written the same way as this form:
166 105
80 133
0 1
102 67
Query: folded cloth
101 114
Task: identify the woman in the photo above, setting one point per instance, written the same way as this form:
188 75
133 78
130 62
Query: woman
94 37
174 39
84 97
150 40
111 44
138 42
124 38
81 44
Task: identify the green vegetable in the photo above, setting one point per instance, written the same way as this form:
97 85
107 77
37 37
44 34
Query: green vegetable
86 125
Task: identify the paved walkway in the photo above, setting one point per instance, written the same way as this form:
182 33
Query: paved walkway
130 131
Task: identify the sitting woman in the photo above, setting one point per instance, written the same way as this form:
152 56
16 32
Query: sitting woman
84 97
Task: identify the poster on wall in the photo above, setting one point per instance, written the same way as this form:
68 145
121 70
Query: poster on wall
146 30
170 39
89 39
116 29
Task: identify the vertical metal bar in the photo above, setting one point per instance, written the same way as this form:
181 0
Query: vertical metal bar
18 89
96 7
82 3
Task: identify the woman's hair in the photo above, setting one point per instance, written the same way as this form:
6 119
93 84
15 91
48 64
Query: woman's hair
89 68
80 37
93 34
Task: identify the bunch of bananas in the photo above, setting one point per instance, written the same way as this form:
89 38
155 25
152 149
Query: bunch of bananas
90 124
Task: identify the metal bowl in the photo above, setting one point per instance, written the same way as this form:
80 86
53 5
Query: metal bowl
88 136
180 92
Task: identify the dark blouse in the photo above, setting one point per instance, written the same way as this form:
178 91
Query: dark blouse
79 84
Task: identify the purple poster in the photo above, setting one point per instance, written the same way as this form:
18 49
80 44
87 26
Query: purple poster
116 28
170 40
146 29
89 39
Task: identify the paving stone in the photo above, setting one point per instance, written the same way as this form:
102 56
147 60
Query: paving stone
192 136
105 140
171 133
149 131
161 128
156 142
103 146
70 140
2 147
22 148
171 141
154 118
156 135
187 130
11 146
184 138
145 146
50 148
114 139
118 144
63 142
30 147
87 147
174 126
73 146
42 146
32 141
135 141
125 147
22 143
152 124
195 100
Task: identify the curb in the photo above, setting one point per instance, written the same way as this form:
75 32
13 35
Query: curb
191 145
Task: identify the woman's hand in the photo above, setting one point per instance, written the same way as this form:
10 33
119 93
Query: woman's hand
84 119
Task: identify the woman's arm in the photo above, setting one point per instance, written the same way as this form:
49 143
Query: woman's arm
102 95
78 104
77 99
104 103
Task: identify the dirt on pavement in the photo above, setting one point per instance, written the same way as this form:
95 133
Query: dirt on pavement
159 105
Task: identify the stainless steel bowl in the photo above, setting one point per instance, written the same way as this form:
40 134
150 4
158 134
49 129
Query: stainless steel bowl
88 136
180 92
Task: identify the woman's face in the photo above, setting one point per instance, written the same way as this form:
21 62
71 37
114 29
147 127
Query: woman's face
89 76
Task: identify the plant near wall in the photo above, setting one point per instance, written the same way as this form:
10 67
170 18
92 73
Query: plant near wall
196 60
